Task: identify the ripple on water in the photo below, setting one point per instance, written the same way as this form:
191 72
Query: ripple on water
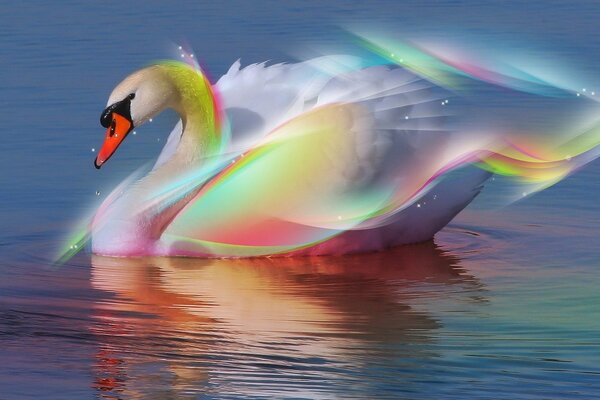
403 323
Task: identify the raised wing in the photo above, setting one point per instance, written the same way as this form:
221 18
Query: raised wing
348 151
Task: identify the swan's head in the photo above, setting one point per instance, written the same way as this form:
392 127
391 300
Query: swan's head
135 100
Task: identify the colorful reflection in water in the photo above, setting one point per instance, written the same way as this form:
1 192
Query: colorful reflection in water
246 325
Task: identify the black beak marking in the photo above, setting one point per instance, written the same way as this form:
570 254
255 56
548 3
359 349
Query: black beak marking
122 108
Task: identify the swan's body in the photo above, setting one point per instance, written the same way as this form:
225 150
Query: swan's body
316 163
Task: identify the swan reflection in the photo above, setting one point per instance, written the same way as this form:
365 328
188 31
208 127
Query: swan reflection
184 326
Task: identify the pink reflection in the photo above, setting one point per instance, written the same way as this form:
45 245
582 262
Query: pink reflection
193 323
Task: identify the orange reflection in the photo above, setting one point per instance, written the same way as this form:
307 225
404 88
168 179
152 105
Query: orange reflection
192 324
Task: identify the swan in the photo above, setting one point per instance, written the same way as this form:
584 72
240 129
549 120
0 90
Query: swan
320 157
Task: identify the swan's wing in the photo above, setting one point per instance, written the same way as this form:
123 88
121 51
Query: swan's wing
255 100
409 118
258 98
353 151
291 189
415 139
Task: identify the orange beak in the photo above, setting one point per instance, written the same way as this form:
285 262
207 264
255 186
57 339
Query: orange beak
115 134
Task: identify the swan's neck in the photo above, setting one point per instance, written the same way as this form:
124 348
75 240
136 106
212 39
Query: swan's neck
134 227
200 138
197 108
198 141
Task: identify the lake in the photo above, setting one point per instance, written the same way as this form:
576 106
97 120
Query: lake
503 304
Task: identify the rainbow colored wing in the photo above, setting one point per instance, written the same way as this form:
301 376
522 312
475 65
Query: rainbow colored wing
298 187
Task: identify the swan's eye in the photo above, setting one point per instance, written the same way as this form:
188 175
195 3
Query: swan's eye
131 96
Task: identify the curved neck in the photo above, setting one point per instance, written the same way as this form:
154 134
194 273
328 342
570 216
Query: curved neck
197 108
139 216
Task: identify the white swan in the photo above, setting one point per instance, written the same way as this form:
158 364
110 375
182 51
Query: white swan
320 157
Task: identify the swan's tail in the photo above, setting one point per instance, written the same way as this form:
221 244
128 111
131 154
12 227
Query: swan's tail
436 208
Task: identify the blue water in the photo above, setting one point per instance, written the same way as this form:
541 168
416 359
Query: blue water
504 304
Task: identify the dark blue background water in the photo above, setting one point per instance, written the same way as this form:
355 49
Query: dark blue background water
505 304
